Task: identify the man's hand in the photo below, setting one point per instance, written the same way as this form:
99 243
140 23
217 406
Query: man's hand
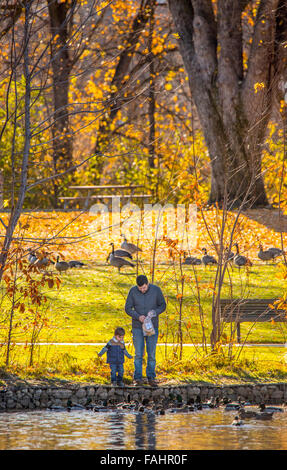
142 318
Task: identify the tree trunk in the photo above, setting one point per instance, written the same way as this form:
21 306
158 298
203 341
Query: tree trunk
151 98
1 190
234 107
60 14
17 206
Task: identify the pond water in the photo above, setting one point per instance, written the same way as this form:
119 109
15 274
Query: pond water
120 430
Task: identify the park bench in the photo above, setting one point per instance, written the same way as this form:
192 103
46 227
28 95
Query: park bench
250 310
90 195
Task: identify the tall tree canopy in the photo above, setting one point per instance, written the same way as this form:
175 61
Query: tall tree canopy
234 82
111 101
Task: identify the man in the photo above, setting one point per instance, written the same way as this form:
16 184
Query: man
142 299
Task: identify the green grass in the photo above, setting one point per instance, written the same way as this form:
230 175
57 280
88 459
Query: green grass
90 304
81 364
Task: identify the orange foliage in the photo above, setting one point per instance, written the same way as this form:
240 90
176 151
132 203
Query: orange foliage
74 236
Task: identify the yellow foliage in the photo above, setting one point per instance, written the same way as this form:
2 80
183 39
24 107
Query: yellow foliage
259 86
93 88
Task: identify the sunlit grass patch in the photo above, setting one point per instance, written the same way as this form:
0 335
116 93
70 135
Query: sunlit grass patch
90 303
81 364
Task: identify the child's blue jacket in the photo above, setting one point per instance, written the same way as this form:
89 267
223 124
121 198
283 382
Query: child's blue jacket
116 351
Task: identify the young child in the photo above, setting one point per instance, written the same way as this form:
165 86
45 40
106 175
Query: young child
116 352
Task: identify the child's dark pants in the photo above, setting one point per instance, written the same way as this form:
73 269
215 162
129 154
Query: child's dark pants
117 372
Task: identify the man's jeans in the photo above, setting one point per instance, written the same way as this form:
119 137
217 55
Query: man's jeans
139 341
117 372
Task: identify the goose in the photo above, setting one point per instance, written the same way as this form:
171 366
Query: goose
207 259
120 253
61 265
228 256
118 262
32 258
275 252
42 262
75 264
264 255
192 260
240 260
130 247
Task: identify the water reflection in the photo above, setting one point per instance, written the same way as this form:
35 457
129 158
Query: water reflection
145 431
119 430
116 424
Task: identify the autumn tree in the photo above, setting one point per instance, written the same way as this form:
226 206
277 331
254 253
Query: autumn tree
120 80
25 140
61 16
234 94
9 14
73 26
20 174
140 97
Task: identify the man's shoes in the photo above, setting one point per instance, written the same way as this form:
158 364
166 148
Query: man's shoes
138 383
152 383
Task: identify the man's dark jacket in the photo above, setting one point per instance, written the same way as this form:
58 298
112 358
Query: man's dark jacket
138 304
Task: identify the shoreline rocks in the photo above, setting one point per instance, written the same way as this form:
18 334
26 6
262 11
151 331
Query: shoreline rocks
32 397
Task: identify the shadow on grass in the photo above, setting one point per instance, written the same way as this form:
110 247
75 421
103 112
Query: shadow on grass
268 217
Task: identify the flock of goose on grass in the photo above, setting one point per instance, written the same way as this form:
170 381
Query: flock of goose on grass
118 257
124 257
236 258
43 262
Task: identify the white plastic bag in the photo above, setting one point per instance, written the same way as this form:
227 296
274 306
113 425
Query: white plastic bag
148 329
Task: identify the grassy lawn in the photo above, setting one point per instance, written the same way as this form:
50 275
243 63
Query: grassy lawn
90 303
81 364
